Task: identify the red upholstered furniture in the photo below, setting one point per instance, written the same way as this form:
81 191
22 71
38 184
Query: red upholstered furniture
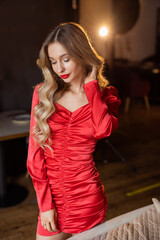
131 85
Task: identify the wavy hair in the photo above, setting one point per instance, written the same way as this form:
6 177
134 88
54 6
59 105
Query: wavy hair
75 40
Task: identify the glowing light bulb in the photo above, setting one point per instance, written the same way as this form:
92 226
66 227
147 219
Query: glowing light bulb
156 70
103 31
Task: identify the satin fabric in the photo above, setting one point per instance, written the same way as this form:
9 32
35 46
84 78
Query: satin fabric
69 180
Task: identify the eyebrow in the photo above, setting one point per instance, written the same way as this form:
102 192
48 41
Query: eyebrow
60 56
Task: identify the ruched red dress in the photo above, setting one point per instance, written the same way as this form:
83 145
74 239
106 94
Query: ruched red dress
69 180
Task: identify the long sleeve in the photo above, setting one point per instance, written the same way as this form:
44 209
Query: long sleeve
104 105
36 167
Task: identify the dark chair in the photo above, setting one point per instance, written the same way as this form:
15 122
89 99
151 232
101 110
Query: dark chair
131 85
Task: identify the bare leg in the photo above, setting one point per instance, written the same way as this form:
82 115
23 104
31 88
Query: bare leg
58 236
74 234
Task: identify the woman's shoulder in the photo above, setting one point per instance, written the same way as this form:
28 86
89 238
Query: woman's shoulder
110 90
111 94
36 88
35 96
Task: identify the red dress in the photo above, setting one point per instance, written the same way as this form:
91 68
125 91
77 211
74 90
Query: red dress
69 180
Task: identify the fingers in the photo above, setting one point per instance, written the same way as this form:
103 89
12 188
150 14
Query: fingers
49 220
50 226
53 223
94 72
92 75
53 226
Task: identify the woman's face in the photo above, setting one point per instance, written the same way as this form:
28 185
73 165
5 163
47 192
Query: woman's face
63 64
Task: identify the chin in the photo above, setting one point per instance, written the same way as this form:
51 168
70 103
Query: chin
67 80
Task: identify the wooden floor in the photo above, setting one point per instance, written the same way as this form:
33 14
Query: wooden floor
138 140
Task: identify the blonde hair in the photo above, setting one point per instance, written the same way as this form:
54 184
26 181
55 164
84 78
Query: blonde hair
76 41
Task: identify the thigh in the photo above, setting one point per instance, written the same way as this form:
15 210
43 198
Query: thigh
58 236
74 234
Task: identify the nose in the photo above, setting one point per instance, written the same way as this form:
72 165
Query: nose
60 67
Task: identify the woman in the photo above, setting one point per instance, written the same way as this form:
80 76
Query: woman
71 109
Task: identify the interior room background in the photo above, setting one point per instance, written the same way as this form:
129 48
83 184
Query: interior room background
23 27
137 43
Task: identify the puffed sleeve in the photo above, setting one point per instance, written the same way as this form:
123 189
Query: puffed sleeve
36 167
105 108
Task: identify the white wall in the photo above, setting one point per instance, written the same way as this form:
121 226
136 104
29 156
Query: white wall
135 45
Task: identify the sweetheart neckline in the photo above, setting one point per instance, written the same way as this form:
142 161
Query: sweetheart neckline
69 110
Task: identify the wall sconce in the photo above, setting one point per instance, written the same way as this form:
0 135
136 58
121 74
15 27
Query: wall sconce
103 31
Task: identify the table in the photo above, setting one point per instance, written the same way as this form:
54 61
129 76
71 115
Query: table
10 194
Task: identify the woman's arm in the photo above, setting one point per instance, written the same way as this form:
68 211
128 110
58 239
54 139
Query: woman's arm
104 105
36 167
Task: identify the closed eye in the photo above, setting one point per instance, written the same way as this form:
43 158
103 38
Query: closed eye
54 62
66 59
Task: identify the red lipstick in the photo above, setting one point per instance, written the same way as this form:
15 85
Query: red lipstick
65 76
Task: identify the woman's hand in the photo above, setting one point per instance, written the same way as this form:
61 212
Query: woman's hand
92 75
49 220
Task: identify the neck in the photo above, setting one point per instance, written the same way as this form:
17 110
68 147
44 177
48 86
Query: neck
77 86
